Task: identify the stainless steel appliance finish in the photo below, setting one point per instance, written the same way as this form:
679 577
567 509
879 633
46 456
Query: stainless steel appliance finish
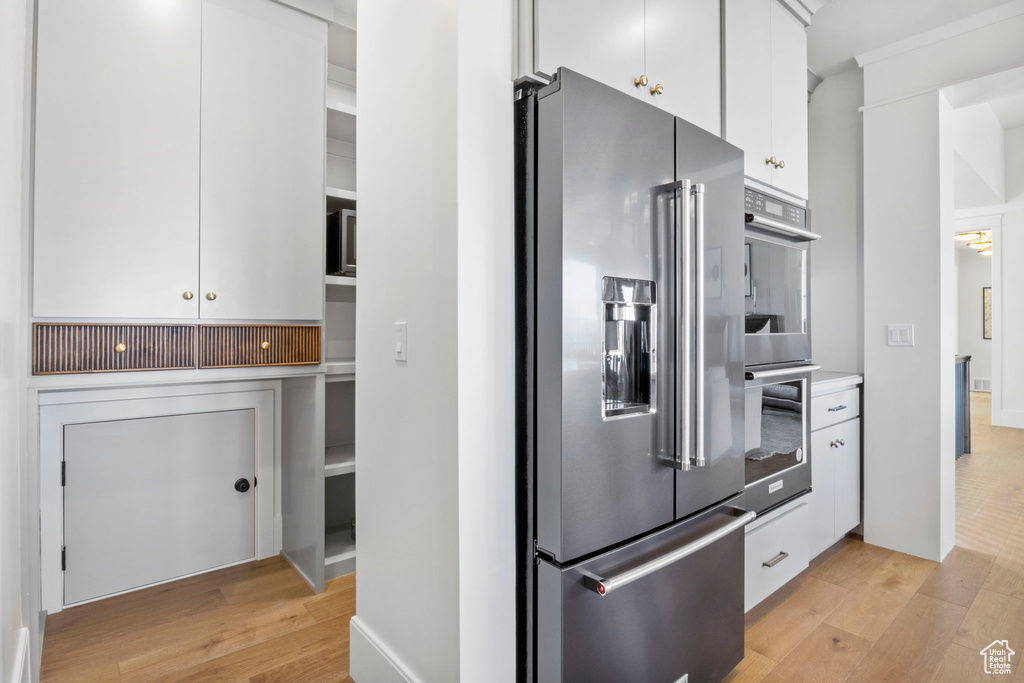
686 618
631 358
776 280
778 434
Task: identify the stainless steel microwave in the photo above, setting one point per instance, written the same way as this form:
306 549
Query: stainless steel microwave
341 242
776 280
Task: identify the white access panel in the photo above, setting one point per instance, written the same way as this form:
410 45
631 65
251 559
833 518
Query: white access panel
151 499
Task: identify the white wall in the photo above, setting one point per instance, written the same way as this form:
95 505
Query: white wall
434 491
974 272
836 147
978 141
13 619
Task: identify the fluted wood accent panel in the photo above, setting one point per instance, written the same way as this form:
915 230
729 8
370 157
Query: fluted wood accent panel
236 346
72 348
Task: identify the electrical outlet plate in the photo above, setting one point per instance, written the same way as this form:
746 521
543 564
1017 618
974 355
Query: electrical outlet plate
901 335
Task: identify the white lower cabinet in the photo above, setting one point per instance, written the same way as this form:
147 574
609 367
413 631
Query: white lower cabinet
775 551
835 483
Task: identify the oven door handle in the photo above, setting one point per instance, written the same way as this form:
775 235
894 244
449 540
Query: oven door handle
605 585
777 226
782 372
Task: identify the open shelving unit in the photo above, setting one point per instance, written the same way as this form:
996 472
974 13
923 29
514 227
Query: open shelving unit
340 308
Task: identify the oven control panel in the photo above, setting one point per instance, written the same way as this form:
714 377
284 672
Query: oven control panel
760 204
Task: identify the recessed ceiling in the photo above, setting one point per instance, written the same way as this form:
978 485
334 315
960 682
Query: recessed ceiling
843 29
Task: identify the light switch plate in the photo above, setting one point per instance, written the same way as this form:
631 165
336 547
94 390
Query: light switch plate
401 342
901 335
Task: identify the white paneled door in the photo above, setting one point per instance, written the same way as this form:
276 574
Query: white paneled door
151 499
262 178
116 159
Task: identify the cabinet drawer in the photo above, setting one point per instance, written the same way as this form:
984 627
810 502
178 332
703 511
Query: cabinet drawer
829 409
784 534
73 348
233 346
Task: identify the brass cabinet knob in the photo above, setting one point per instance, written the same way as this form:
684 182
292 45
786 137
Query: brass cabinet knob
120 348
265 345
210 296
642 80
187 295
770 160
781 164
658 89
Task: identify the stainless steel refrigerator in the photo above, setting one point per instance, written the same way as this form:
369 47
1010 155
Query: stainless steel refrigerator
630 339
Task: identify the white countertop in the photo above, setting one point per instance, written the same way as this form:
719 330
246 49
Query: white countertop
825 381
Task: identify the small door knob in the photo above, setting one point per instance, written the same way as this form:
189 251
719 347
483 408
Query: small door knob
187 295
120 348
781 164
658 89
770 160
265 345
641 81
210 296
242 485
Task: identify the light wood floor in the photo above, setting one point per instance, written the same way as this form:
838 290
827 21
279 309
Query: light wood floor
255 622
859 612
864 613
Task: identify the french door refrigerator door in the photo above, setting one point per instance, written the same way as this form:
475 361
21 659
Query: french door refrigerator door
714 171
668 605
604 382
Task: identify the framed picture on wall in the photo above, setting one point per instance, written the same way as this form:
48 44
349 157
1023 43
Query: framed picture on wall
747 287
986 312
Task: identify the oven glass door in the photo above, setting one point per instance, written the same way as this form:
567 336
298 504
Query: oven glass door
775 284
776 428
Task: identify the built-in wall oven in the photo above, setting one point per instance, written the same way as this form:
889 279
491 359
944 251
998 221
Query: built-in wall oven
776 280
777 457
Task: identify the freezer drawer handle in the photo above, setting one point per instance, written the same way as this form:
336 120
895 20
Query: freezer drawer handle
775 560
604 586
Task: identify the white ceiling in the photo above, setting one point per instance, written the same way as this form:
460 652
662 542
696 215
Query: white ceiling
843 29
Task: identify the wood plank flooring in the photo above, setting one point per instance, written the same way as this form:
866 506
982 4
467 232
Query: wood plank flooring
858 613
255 622
864 613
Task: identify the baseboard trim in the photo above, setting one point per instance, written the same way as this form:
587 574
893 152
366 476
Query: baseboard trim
298 569
21 670
1008 418
371 661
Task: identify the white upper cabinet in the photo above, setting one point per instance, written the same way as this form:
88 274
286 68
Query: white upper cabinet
601 39
636 46
179 152
766 92
683 55
116 159
262 170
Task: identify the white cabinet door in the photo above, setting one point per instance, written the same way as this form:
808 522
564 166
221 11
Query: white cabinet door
601 39
823 499
683 54
847 477
116 226
789 100
147 500
748 83
262 201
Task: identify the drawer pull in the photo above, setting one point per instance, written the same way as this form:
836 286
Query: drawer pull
120 348
265 345
837 443
836 409
775 560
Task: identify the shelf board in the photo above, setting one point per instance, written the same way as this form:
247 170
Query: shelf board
338 193
340 460
340 280
340 369
339 552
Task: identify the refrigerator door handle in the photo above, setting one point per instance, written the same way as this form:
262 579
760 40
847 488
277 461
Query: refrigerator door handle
605 585
698 230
